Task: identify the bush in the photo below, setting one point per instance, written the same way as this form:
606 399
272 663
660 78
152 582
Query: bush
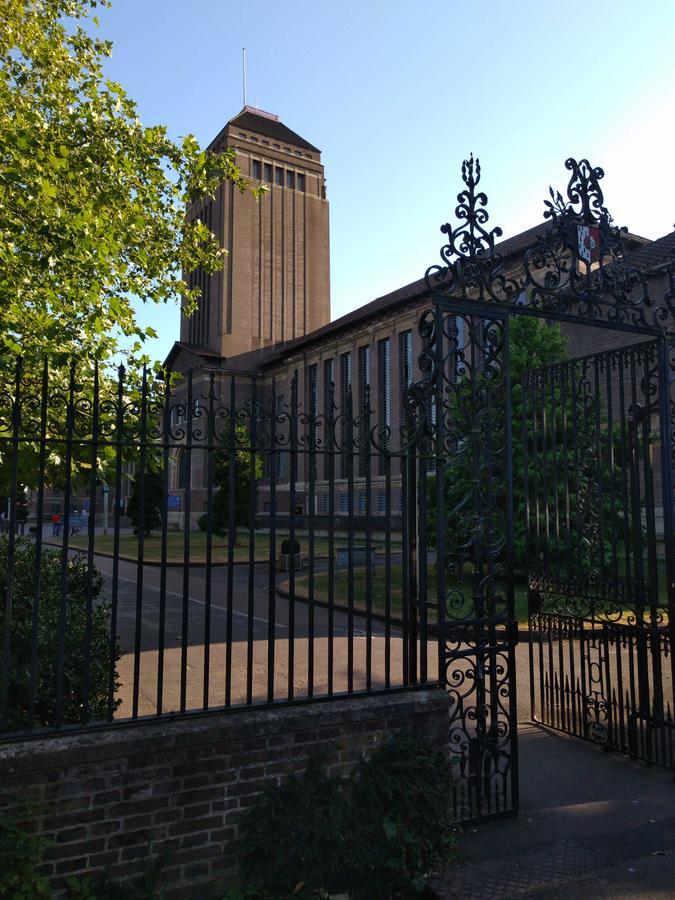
21 853
400 817
377 834
286 547
24 569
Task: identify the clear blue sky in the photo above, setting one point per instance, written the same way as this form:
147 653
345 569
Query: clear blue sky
396 94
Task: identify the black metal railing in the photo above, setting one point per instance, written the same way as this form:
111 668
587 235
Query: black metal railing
189 545
600 595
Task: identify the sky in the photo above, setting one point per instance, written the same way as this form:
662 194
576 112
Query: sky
395 94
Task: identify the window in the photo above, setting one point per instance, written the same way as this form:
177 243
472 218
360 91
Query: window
347 413
364 384
381 503
313 390
301 181
364 375
256 170
328 411
406 364
384 388
343 504
322 503
267 172
345 379
183 470
279 176
290 179
361 502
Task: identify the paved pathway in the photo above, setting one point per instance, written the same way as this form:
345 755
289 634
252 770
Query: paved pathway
591 825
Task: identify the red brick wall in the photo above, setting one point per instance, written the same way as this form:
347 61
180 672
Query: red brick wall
180 787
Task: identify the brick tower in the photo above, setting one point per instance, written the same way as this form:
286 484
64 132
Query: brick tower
275 283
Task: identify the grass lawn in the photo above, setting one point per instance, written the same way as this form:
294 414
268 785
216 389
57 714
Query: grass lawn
341 590
103 543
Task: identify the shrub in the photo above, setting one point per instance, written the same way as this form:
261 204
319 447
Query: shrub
286 547
400 817
21 853
376 834
24 568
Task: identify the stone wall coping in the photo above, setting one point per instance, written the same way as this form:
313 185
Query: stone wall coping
99 745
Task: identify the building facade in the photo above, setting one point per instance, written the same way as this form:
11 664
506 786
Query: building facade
275 285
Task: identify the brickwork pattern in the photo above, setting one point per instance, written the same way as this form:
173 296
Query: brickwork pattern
180 788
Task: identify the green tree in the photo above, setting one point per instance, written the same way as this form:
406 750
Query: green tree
534 345
93 207
240 456
153 501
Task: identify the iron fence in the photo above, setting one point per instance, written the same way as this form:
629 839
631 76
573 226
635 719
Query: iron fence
222 559
595 509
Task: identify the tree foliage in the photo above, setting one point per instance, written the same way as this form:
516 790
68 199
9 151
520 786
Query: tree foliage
238 461
153 501
591 490
48 629
93 202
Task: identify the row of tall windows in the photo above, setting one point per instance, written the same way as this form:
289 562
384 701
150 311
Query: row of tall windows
378 503
352 403
271 174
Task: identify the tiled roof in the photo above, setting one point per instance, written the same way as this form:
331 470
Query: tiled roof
271 128
654 253
507 247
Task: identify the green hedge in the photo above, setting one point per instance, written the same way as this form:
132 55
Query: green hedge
49 613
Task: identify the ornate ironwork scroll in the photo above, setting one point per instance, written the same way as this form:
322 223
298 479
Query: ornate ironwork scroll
577 267
464 401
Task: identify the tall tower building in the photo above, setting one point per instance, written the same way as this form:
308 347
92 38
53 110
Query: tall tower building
275 283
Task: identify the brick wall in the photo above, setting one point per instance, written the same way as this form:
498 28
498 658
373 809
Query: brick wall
180 787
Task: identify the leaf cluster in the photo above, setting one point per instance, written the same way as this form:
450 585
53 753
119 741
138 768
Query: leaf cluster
378 833
94 202
22 850
76 658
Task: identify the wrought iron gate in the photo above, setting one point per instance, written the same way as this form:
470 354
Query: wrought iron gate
598 437
601 662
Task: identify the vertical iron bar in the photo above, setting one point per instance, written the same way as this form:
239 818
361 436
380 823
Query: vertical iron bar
93 462
330 446
292 490
161 625
63 606
253 502
272 586
119 448
312 462
37 589
441 500
231 535
9 575
512 625
141 541
187 516
208 585
348 450
366 453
